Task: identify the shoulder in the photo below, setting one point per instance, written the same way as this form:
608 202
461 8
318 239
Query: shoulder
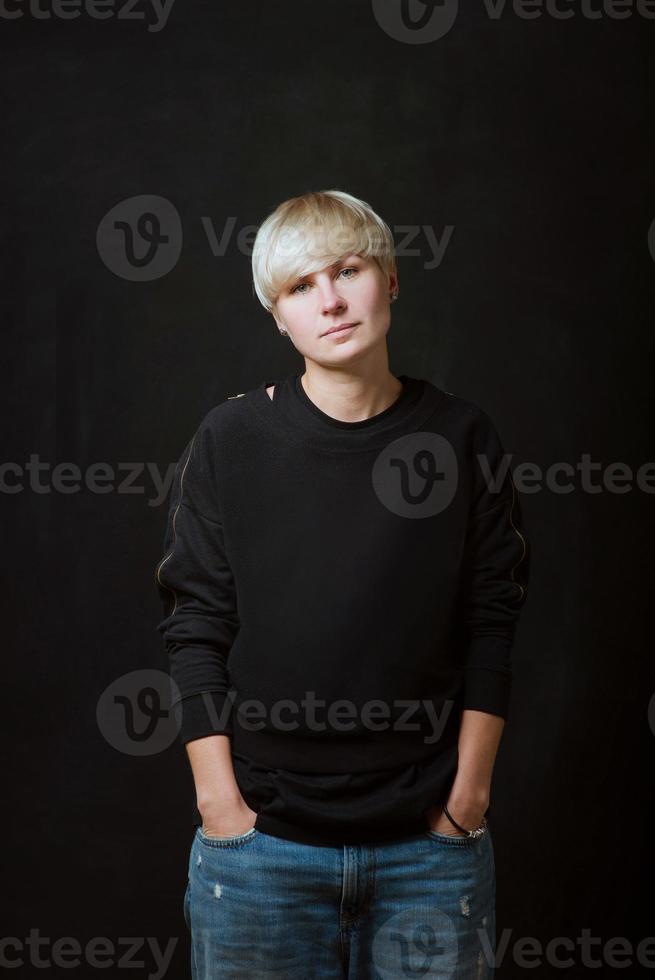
470 425
462 412
230 415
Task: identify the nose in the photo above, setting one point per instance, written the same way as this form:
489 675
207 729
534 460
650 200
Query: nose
332 301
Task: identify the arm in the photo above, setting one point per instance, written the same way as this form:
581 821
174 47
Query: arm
224 811
479 738
494 586
201 621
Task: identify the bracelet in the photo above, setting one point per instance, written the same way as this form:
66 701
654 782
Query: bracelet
478 832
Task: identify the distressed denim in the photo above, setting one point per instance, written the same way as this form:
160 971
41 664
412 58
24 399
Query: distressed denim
261 907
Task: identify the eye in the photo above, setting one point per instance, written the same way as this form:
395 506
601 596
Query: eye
296 288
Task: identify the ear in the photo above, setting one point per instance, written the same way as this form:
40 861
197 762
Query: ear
280 325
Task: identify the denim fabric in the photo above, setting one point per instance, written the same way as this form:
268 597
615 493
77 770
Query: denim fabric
262 907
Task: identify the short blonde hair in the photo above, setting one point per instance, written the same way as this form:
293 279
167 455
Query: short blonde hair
307 233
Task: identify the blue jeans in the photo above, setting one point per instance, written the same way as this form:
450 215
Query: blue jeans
263 907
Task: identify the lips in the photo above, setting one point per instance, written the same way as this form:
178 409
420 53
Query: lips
341 328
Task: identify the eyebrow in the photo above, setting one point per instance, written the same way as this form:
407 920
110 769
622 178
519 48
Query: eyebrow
346 258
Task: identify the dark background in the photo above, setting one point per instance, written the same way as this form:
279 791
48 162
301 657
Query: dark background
533 139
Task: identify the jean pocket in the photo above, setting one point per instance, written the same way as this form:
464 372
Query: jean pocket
225 841
460 840
450 838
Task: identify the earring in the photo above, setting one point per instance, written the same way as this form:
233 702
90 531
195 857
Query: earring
284 333
394 296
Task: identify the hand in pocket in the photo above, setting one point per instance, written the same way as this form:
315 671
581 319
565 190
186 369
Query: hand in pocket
221 820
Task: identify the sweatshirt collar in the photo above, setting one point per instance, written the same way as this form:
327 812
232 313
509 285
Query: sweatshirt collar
297 419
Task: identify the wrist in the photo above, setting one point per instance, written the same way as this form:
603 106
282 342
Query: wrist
467 808
231 800
469 794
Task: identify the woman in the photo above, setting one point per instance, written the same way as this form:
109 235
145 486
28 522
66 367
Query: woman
344 569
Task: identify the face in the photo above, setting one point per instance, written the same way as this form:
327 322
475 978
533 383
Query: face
353 291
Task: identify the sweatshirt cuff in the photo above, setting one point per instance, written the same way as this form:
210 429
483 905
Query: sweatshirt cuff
487 689
199 715
488 674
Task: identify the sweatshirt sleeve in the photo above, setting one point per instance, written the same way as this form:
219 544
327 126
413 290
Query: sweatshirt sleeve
198 595
495 579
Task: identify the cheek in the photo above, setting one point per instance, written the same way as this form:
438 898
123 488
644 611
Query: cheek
297 321
376 300
303 329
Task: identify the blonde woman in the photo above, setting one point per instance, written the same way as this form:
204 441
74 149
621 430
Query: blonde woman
343 572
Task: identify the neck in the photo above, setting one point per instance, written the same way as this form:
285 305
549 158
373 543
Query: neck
348 395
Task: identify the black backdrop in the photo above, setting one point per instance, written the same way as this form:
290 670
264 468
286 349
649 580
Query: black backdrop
524 145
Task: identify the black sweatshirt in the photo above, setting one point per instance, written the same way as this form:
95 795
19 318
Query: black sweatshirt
335 593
